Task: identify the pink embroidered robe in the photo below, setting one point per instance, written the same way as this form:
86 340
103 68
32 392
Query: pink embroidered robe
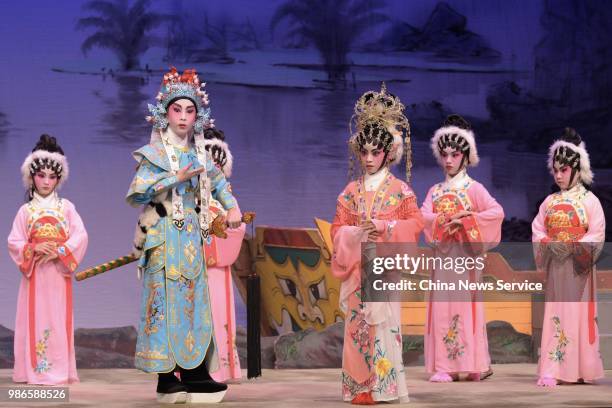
44 338
570 339
220 255
455 331
372 351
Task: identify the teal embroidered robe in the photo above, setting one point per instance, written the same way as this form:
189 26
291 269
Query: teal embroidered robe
175 325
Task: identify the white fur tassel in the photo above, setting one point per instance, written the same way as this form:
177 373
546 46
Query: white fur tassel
43 154
466 134
586 174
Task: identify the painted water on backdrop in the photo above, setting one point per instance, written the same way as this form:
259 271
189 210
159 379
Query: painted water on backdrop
289 147
290 163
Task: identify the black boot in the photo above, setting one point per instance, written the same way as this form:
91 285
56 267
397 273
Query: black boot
170 390
201 387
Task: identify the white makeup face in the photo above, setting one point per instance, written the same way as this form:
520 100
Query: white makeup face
181 117
451 160
562 175
45 181
371 158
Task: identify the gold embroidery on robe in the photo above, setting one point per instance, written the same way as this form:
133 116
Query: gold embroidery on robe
190 251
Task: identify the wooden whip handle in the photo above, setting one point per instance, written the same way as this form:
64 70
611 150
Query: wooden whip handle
107 266
219 225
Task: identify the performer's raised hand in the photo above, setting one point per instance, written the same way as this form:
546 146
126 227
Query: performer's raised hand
234 218
185 174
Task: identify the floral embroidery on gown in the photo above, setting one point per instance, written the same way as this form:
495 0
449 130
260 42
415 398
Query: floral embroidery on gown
570 337
372 353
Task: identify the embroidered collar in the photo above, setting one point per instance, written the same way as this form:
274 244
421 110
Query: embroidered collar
372 181
178 214
176 141
365 212
456 181
578 192
577 189
40 202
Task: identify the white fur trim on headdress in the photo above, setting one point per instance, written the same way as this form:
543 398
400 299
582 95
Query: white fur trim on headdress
44 154
468 135
227 169
398 148
586 175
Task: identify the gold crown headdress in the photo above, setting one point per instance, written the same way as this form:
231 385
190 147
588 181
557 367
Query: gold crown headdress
383 110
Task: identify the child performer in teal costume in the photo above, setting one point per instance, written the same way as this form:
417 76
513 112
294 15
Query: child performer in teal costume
174 178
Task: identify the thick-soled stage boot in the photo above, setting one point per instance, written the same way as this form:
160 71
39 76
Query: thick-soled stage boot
201 388
170 390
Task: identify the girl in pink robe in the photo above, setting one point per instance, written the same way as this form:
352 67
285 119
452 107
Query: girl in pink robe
568 233
459 212
377 207
47 242
221 253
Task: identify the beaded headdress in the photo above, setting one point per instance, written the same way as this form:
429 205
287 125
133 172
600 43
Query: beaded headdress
46 155
457 133
571 151
175 86
374 113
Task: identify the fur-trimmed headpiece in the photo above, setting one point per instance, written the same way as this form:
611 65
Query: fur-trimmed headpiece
571 151
214 143
47 154
374 113
457 133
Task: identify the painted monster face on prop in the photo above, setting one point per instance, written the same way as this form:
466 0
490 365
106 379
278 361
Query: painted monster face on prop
454 145
377 127
299 289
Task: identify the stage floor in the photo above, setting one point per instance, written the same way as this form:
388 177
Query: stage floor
512 385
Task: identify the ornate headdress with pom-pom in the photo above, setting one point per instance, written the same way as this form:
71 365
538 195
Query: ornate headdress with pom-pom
456 133
46 154
175 86
374 113
571 151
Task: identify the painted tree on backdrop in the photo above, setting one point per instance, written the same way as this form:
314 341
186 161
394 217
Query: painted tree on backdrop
332 26
572 61
122 27
194 35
